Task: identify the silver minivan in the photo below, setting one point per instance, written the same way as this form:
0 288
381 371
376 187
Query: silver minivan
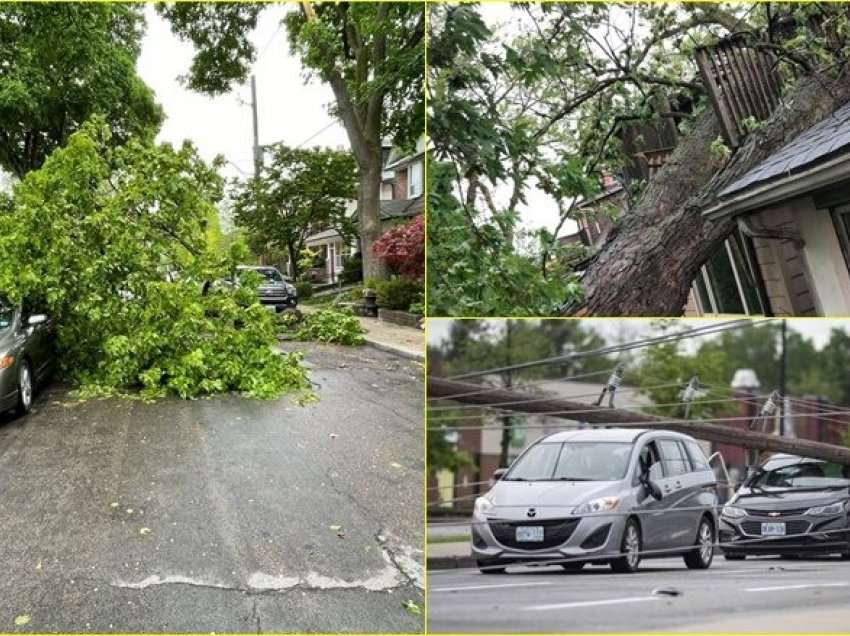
599 496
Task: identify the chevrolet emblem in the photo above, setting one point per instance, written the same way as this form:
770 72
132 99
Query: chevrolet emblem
773 514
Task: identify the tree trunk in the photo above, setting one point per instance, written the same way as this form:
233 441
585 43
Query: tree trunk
369 216
293 260
650 259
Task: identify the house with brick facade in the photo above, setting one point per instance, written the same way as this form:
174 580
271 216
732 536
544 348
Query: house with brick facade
402 198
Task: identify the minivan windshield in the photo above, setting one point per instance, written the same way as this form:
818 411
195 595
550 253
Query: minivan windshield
572 461
800 473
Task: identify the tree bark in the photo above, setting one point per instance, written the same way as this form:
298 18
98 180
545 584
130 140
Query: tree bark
651 257
369 215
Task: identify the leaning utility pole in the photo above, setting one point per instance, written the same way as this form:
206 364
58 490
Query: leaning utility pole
505 400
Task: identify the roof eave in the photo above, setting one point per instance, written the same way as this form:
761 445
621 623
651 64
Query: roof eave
777 190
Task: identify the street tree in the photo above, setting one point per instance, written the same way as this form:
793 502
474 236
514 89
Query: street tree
298 192
371 55
61 63
114 242
543 108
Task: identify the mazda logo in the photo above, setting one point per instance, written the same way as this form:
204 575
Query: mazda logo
531 512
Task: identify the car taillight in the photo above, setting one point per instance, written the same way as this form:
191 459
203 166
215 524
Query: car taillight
6 362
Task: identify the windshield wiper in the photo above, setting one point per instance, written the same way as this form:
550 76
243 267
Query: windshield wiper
572 479
513 479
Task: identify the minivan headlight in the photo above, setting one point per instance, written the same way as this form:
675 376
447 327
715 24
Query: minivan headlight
831 509
597 505
733 512
483 506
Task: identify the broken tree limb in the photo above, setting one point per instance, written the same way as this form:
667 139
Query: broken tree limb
651 257
478 394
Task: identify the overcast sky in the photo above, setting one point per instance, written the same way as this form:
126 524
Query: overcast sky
288 110
617 330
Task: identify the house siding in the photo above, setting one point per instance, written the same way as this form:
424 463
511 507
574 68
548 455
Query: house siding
782 263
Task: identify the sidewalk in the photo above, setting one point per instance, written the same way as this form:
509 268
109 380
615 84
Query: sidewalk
448 556
386 336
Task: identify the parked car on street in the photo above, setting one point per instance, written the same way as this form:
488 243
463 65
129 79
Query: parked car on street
27 355
789 506
274 292
602 496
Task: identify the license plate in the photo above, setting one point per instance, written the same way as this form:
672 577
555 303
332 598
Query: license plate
773 529
529 533
270 307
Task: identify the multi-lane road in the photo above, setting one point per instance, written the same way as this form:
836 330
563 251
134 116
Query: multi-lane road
763 594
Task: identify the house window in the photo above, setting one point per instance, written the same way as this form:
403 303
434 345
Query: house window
841 218
727 284
414 179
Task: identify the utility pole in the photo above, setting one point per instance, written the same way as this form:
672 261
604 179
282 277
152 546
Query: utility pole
783 361
258 156
507 382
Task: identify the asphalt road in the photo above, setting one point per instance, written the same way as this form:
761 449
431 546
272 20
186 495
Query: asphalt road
223 514
763 594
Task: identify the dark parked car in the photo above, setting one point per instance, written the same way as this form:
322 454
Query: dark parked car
26 354
274 292
790 506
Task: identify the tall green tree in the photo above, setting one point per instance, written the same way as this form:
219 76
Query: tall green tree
61 63
299 191
371 55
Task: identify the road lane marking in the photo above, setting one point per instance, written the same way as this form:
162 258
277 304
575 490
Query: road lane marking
801 586
575 604
487 587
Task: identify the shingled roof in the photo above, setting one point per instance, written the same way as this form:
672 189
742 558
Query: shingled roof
402 208
819 143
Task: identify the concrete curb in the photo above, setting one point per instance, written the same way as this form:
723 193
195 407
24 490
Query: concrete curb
451 562
404 353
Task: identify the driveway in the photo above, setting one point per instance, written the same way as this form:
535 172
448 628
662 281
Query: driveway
223 514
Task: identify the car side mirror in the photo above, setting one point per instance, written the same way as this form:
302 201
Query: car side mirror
36 319
497 475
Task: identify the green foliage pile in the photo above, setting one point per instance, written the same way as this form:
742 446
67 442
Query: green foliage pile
398 292
304 289
114 239
331 325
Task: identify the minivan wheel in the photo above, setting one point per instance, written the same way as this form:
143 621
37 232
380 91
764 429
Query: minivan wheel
490 567
630 548
25 388
701 556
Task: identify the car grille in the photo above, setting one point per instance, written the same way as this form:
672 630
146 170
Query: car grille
799 526
555 532
776 513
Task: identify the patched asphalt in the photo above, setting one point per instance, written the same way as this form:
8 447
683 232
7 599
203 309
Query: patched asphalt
221 514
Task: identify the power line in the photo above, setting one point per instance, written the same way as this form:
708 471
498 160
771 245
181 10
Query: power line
636 344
